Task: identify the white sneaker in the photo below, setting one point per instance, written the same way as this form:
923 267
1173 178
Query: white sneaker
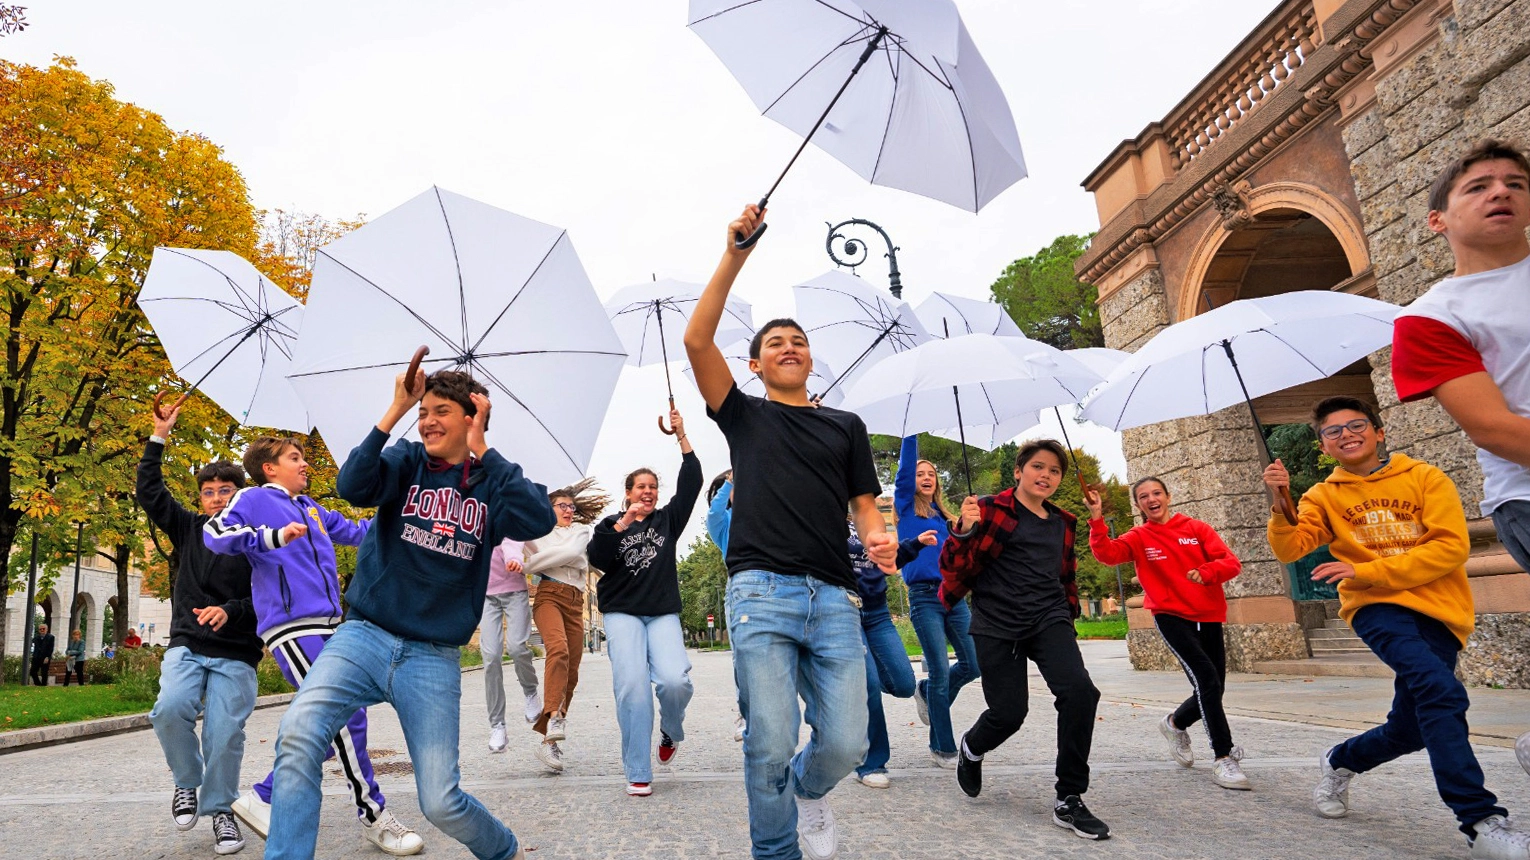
740 724
943 760
254 812
1179 741
1228 774
550 756
1331 796
556 729
875 779
921 705
497 739
390 834
1498 840
533 706
816 834
1522 751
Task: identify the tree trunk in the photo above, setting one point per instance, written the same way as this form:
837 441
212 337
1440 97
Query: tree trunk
123 616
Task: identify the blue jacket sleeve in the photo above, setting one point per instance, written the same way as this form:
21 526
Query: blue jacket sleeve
343 531
903 483
518 507
371 477
230 532
720 516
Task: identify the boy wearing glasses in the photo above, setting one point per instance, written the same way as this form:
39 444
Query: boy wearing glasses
1396 528
213 647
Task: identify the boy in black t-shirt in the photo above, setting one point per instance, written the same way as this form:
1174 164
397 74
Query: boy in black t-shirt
792 608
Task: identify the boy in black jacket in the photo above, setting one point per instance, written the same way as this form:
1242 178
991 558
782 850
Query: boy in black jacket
213 648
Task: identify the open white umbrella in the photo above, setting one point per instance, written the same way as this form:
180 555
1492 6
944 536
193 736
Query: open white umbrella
953 316
1242 350
228 331
650 320
820 378
920 111
852 326
489 292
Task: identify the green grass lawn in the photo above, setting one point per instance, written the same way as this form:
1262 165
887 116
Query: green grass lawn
28 707
1102 627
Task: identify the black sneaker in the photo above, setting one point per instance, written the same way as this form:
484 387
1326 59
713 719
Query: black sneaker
226 836
183 808
1070 812
969 771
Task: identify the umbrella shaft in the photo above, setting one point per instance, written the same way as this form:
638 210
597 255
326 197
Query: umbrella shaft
871 48
862 357
1253 416
1077 472
664 351
247 335
961 431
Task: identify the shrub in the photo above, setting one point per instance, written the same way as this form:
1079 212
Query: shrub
138 674
909 637
269 678
10 673
470 656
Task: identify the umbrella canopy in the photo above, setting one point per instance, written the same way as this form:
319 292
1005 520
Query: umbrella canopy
851 326
228 332
1277 342
491 293
952 316
737 356
1101 360
897 89
990 436
651 318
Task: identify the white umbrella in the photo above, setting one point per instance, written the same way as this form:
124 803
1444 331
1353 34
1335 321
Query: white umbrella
990 436
1101 360
922 112
650 320
820 378
1242 350
952 316
489 292
852 326
977 380
225 326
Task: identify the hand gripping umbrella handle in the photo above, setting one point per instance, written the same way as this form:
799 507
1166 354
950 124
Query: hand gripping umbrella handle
159 413
666 430
414 367
742 242
1284 502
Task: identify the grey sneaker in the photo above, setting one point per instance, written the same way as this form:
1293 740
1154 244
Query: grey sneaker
1179 742
1522 751
921 705
556 729
497 739
1331 796
1228 774
1496 840
943 760
550 756
816 832
226 836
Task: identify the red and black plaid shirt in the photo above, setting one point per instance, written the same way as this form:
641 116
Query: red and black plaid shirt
963 558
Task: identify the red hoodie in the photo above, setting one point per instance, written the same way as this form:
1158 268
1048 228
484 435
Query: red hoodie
1163 555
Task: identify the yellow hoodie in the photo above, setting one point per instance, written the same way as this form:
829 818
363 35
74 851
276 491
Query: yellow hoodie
1401 528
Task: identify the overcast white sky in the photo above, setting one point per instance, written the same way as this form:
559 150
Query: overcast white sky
611 119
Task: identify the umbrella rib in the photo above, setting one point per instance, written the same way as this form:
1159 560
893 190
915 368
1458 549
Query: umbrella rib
892 105
971 154
241 334
456 263
232 285
556 438
1298 352
355 367
529 278
858 37
390 297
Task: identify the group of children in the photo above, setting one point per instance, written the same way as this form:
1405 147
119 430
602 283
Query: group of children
806 606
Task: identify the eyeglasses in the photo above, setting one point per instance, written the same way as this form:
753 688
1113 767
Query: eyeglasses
218 493
1334 431
565 506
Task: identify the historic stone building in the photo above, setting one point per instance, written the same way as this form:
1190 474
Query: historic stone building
1303 161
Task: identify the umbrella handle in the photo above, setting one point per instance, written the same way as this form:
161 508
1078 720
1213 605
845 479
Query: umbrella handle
1287 506
414 367
742 242
159 413
667 431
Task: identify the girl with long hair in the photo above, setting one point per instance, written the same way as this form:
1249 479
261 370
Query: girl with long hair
1182 563
920 507
640 601
559 562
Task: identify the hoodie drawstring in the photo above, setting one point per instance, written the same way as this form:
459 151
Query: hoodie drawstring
436 464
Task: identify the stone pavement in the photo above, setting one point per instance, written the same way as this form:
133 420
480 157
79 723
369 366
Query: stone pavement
110 796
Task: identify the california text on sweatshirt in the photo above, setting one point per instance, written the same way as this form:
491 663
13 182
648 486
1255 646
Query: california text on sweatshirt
1163 554
1403 530
289 581
423 570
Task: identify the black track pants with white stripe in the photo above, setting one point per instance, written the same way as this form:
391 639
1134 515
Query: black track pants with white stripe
1203 655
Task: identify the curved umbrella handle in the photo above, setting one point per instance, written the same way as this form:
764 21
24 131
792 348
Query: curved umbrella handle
1286 504
742 242
159 413
414 367
667 431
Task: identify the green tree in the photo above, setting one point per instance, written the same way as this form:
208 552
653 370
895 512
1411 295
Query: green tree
1297 447
703 580
1047 301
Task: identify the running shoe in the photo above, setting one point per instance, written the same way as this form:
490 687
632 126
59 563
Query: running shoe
921 705
875 779
969 770
1331 796
1497 840
556 729
550 756
666 751
1179 742
639 789
1072 814
817 835
1228 774
254 812
533 706
497 739
390 834
183 808
740 724
1522 751
943 760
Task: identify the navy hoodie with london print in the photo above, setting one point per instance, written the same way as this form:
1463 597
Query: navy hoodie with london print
423 569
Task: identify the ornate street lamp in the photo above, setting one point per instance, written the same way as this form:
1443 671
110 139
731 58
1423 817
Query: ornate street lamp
857 252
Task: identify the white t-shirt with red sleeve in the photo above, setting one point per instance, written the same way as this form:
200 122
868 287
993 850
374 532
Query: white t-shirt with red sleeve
1472 324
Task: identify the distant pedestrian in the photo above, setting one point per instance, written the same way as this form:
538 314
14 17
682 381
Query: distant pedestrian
42 655
74 659
132 639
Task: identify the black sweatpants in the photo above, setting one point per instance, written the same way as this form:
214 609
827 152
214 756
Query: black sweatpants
1054 648
1202 653
40 670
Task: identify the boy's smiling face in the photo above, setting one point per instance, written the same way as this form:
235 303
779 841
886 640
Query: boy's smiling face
1345 439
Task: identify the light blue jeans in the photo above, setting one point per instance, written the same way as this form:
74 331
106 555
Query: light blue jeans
935 625
223 691
647 658
795 636
362 665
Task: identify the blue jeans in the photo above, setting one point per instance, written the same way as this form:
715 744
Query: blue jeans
887 671
223 691
795 636
1428 710
361 665
1512 520
936 626
647 657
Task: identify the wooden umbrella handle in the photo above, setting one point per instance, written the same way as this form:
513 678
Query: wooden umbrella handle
414 367
667 431
1287 506
159 413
